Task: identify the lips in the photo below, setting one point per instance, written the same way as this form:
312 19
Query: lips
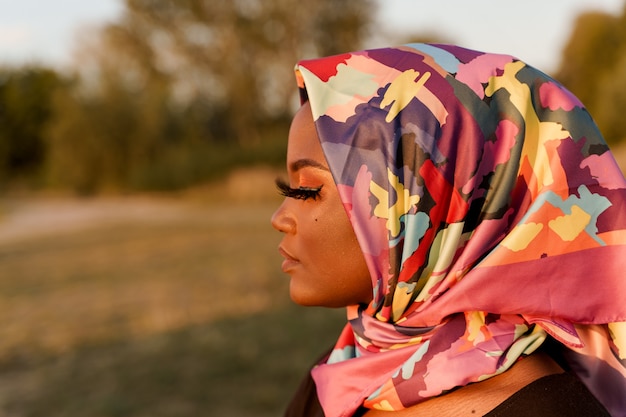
289 262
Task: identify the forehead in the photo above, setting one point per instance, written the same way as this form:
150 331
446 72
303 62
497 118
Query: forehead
303 141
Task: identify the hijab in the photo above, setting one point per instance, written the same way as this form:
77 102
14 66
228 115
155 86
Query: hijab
491 214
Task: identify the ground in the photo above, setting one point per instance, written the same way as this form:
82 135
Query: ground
142 305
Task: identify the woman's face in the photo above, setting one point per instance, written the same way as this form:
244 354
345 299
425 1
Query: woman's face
322 255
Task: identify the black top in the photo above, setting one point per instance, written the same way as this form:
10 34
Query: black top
558 395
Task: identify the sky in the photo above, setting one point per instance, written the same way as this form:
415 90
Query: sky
45 31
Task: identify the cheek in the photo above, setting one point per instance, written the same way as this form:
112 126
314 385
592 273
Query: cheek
336 273
333 242
334 229
320 237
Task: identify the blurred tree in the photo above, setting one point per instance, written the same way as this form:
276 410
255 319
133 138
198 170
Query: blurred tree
235 55
593 67
25 109
175 78
114 120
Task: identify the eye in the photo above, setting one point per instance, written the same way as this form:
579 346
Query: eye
300 193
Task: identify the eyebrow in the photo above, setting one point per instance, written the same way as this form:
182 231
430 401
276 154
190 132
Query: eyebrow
306 163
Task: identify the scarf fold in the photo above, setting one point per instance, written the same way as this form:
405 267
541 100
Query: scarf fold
490 212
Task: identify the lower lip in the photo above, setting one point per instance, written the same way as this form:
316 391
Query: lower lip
289 264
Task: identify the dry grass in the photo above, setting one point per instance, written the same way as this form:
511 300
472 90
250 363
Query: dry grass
168 306
136 279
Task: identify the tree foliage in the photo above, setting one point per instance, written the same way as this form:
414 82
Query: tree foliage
593 66
173 85
25 110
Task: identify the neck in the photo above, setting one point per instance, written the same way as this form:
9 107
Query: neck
479 398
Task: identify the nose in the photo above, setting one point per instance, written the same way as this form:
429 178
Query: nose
282 220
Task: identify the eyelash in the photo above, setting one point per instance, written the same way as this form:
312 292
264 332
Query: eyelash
300 193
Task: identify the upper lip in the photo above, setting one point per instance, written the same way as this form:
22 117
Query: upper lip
286 254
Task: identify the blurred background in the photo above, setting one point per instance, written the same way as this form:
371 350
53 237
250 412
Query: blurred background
139 141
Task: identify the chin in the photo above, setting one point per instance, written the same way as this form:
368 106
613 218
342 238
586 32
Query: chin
310 300
304 300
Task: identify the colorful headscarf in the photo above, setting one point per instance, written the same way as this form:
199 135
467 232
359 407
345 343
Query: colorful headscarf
490 212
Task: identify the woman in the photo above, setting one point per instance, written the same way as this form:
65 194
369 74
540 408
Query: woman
465 209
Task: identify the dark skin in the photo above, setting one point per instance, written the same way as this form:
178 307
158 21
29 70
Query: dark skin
319 244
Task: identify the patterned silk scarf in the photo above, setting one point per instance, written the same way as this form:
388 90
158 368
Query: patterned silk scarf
490 212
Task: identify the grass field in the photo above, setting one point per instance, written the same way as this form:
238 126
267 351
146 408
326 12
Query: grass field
168 306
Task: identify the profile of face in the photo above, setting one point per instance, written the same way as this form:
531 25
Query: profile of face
321 253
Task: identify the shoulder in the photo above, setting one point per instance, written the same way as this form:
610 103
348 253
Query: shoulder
558 395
